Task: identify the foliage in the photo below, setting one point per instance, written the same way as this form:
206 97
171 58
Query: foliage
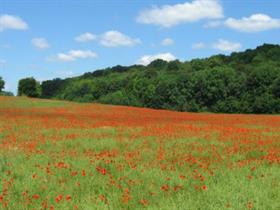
245 82
2 84
29 87
6 93
50 87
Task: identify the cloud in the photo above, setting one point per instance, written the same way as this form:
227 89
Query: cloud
171 15
73 55
199 45
147 59
254 23
12 22
227 46
116 39
86 37
167 42
40 43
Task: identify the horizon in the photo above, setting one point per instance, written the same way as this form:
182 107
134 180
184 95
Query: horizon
36 40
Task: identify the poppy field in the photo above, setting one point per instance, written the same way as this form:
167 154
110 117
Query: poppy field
63 155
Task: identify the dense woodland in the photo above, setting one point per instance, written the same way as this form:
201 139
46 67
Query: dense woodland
245 82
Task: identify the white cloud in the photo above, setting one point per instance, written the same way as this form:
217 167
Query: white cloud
199 45
73 55
116 39
86 37
227 46
147 59
254 23
12 22
167 42
171 15
40 43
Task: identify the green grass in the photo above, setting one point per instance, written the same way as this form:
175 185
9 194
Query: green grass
140 165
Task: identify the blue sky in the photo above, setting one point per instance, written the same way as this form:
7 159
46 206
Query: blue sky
49 39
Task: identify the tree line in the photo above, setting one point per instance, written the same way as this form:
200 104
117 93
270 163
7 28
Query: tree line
2 86
244 82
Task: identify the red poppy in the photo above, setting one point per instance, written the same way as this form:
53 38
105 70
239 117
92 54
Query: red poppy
164 187
68 197
144 202
58 198
36 196
204 187
103 171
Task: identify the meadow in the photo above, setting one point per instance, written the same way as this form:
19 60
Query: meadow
65 155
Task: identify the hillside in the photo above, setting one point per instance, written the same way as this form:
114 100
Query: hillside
245 82
65 155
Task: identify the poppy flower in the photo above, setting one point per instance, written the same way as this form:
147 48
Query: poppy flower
204 187
68 197
36 196
58 198
144 202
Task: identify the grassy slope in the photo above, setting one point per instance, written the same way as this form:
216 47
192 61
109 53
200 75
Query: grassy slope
88 156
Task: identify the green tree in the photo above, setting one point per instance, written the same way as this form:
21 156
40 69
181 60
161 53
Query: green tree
51 87
244 82
119 97
158 64
173 65
2 84
265 103
28 87
276 87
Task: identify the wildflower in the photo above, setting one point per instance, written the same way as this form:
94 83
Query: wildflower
126 190
68 197
5 204
44 204
61 165
125 198
204 187
36 196
164 187
177 187
182 177
74 173
103 171
102 198
144 202
58 198
83 172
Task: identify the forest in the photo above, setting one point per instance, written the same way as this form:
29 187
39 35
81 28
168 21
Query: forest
243 82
